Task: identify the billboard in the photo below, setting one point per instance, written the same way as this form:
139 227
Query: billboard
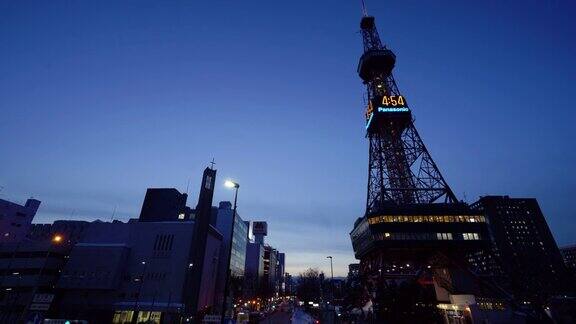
260 228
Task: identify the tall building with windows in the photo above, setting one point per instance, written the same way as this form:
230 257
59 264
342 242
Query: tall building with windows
280 270
238 253
254 268
270 268
15 219
523 246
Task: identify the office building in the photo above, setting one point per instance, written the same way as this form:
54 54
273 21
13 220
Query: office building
238 253
254 268
289 284
569 256
270 269
15 219
280 269
265 265
523 246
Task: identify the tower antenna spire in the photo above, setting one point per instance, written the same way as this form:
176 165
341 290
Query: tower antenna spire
364 11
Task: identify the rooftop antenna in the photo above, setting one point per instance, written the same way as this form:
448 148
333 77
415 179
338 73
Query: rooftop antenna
212 164
364 11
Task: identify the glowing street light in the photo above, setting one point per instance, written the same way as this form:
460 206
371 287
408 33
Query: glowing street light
57 238
231 184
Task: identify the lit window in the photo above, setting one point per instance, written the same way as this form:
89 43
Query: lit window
444 236
470 236
181 216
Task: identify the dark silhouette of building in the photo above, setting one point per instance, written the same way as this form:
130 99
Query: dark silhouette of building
164 204
201 259
29 271
523 247
569 255
15 219
71 231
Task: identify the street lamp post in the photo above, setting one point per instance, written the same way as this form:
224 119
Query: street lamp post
331 278
331 268
137 301
229 184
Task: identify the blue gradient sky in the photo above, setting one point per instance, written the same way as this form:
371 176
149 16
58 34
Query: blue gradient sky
101 99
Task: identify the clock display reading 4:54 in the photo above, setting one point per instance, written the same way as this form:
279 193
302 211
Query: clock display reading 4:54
394 101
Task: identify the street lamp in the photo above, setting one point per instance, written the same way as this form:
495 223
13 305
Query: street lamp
331 277
331 268
141 282
235 185
57 238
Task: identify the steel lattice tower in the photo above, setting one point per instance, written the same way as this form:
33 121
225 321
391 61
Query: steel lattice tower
401 169
414 229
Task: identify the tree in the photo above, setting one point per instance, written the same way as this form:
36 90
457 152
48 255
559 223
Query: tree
310 284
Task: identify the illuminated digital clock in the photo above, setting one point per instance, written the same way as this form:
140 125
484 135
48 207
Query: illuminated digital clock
393 101
388 106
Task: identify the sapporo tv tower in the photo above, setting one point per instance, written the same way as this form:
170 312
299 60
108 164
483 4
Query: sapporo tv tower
414 230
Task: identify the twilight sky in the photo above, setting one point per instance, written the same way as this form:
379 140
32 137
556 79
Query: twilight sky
100 100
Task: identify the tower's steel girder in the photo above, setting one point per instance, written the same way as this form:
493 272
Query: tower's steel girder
401 169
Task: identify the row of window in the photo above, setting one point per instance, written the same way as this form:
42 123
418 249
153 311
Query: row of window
490 304
428 236
428 219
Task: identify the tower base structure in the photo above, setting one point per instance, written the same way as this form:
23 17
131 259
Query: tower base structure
413 265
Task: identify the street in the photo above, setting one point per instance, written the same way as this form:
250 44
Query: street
288 315
278 317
